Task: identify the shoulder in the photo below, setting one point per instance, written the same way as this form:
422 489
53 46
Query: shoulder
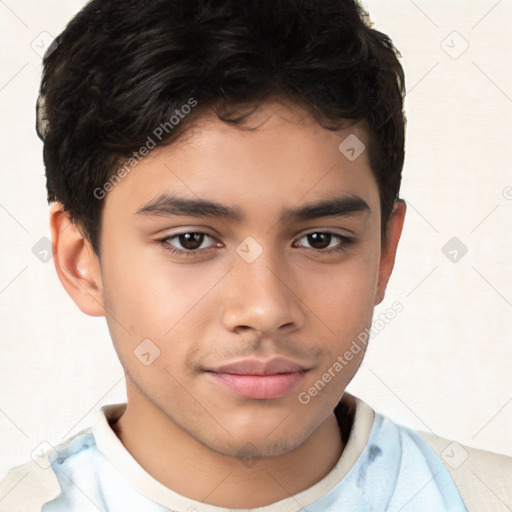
32 485
484 479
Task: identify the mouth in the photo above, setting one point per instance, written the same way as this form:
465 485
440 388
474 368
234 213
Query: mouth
260 380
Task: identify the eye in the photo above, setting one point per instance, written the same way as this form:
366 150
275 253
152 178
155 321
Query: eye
324 241
184 243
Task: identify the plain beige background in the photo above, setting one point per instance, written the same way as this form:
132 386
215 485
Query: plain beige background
442 365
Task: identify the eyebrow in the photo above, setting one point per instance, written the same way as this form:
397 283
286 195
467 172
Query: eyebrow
169 205
333 207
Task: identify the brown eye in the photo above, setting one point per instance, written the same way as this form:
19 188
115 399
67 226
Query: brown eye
191 241
324 241
319 240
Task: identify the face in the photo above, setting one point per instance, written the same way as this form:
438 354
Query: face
245 262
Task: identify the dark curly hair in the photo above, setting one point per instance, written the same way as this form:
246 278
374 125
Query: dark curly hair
121 69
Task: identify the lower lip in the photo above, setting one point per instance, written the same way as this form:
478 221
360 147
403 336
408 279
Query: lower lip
260 387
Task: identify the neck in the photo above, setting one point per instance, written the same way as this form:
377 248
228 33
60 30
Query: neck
181 463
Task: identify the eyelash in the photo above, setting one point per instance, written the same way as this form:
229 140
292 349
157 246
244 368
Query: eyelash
345 242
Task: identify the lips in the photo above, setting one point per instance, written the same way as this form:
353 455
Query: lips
256 367
260 380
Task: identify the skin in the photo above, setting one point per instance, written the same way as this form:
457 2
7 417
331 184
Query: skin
295 300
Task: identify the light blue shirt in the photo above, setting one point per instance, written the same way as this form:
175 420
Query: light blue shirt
388 468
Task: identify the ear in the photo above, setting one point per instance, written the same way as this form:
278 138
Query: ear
77 265
388 252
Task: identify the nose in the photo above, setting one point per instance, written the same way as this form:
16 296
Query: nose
260 297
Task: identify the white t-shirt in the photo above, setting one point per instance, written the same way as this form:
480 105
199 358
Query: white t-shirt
383 467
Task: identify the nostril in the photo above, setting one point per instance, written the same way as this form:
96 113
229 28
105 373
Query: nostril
242 328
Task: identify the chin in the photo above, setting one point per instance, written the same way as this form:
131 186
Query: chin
252 444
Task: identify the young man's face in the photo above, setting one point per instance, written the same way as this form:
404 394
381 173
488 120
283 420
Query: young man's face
268 276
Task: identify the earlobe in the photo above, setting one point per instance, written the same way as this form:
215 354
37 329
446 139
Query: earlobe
388 253
76 263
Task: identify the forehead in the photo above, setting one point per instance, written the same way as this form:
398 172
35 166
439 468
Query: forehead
278 159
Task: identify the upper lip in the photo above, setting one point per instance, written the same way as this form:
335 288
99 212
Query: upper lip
271 366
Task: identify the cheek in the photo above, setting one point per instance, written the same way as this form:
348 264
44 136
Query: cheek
147 298
341 296
345 312
148 292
